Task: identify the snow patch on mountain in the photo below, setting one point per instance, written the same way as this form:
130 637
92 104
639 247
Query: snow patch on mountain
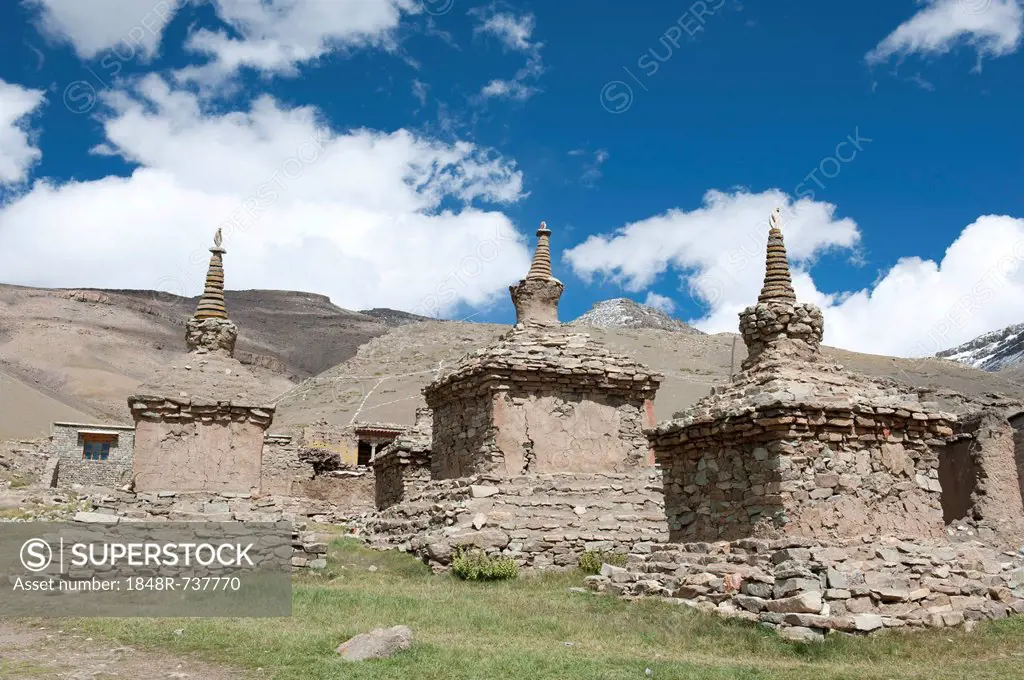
992 351
626 313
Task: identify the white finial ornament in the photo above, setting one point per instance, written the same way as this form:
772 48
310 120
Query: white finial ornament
775 219
217 239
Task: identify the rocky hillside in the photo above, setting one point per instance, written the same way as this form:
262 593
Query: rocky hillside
76 354
383 381
994 351
625 313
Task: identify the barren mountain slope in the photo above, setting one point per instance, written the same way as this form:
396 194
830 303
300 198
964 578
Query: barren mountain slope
27 412
88 349
383 381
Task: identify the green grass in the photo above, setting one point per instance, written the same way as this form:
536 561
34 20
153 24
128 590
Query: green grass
533 628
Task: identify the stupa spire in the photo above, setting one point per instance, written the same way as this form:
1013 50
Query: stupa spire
536 296
541 266
778 284
211 304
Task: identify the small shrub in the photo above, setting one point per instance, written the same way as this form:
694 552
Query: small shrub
591 561
476 565
18 482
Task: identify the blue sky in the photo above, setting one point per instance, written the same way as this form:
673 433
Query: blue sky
402 152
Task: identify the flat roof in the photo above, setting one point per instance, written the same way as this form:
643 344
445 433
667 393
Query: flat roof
95 426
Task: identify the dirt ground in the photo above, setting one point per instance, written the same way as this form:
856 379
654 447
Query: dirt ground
52 653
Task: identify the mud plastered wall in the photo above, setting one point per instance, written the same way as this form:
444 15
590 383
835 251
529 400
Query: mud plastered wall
198 456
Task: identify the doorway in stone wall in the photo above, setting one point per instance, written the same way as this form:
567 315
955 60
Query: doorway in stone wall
364 453
958 477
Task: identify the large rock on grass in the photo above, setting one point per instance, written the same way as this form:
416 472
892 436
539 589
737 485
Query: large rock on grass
379 643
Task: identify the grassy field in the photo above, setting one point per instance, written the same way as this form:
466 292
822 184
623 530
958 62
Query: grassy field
534 628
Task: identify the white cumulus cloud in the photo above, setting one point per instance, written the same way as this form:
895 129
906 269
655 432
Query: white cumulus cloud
991 27
367 217
18 153
915 308
271 36
97 25
662 302
516 34
279 35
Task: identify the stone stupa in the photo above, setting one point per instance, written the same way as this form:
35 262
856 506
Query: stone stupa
200 421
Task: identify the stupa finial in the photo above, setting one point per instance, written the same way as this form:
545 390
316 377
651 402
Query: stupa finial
211 303
541 266
778 284
536 296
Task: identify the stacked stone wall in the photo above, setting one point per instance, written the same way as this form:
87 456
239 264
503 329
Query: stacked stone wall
399 474
349 491
807 588
72 468
463 437
800 471
282 471
214 507
540 520
984 475
309 549
794 329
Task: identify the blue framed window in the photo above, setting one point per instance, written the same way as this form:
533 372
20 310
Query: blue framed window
96 449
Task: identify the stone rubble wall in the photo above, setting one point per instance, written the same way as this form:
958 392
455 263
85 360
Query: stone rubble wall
780 328
282 470
805 588
982 468
463 435
402 468
350 491
214 507
309 549
828 472
72 468
540 520
1018 447
399 474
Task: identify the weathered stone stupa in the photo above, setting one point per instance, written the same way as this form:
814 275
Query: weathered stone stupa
541 399
536 447
797 445
810 499
200 422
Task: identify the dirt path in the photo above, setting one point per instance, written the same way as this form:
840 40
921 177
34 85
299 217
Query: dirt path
52 653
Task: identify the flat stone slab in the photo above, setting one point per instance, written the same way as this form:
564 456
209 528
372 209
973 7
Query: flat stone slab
96 518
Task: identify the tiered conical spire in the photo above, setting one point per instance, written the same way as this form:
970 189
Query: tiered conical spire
541 266
211 304
778 284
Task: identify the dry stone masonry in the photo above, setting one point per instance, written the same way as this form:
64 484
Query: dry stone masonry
550 423
812 499
403 467
541 399
541 520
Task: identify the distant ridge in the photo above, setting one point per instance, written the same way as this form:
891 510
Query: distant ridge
626 313
993 351
393 317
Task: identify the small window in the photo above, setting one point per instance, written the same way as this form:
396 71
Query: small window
96 450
